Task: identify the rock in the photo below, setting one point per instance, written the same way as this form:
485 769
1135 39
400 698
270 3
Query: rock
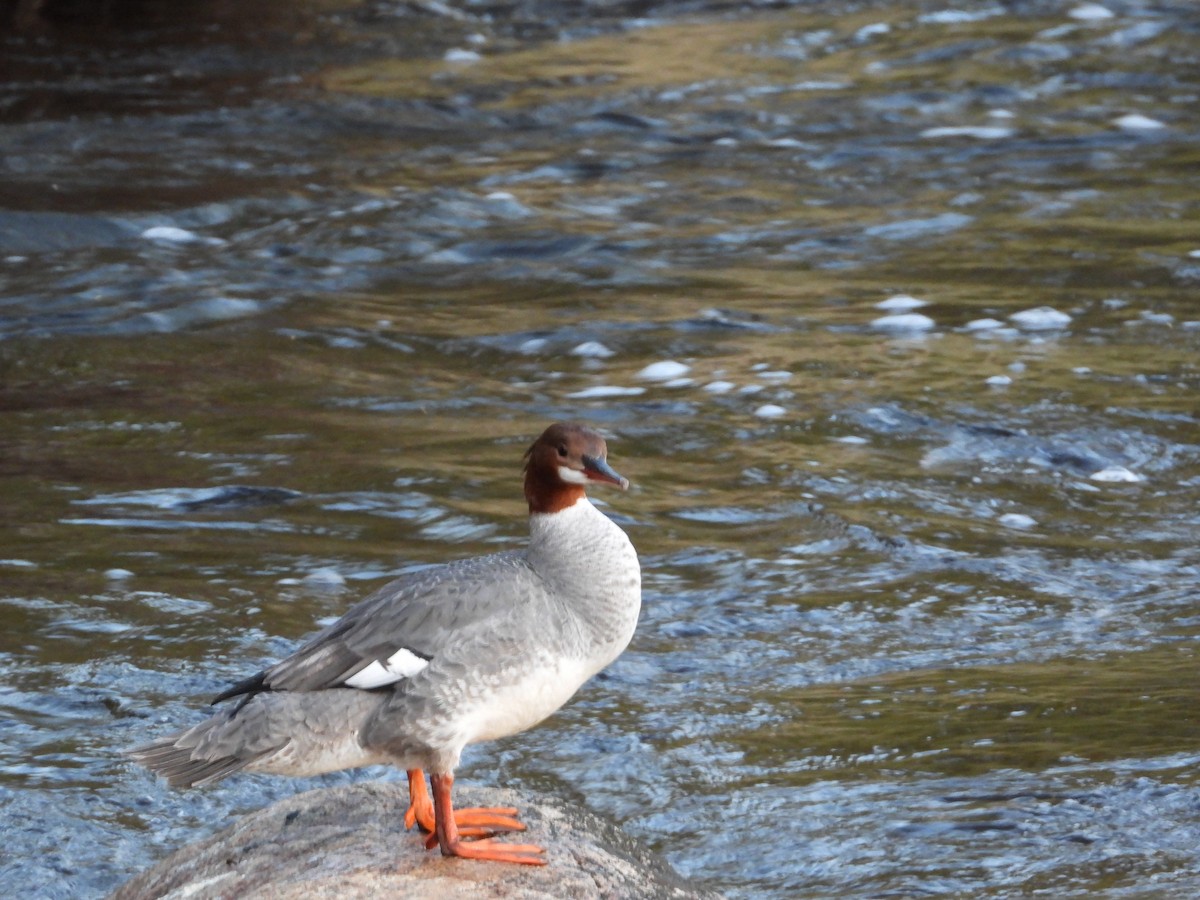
349 842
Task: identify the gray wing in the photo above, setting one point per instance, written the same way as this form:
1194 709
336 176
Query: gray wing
418 613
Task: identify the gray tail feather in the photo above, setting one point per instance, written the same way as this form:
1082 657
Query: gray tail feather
177 764
219 746
310 732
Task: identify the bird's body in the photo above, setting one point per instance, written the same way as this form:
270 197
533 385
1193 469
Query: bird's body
469 651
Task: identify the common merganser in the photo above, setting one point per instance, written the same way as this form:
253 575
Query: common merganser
469 651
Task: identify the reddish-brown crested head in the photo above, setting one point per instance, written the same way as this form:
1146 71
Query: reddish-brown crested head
562 462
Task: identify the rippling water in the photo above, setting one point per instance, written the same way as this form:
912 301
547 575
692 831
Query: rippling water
890 314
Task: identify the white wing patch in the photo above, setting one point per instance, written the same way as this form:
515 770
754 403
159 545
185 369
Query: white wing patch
401 664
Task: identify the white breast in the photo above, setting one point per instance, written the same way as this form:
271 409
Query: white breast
522 703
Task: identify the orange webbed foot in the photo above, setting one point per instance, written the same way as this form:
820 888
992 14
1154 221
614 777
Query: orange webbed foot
450 837
495 851
472 821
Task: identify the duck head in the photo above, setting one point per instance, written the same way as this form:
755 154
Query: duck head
562 462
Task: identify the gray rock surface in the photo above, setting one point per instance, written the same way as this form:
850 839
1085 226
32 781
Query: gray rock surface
349 842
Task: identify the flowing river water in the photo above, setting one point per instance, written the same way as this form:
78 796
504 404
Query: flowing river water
890 313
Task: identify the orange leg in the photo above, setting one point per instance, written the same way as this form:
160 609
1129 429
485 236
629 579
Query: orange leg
472 822
449 838
420 806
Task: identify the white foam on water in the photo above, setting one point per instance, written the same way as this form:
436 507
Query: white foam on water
980 132
1041 318
983 325
1138 122
900 322
664 370
900 303
1017 520
606 390
1116 475
592 350
1090 12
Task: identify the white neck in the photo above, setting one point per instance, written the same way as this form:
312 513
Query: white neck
579 537
586 560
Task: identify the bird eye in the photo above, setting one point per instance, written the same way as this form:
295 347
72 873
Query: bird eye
562 450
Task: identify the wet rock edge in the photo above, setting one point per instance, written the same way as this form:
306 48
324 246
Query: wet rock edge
350 842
